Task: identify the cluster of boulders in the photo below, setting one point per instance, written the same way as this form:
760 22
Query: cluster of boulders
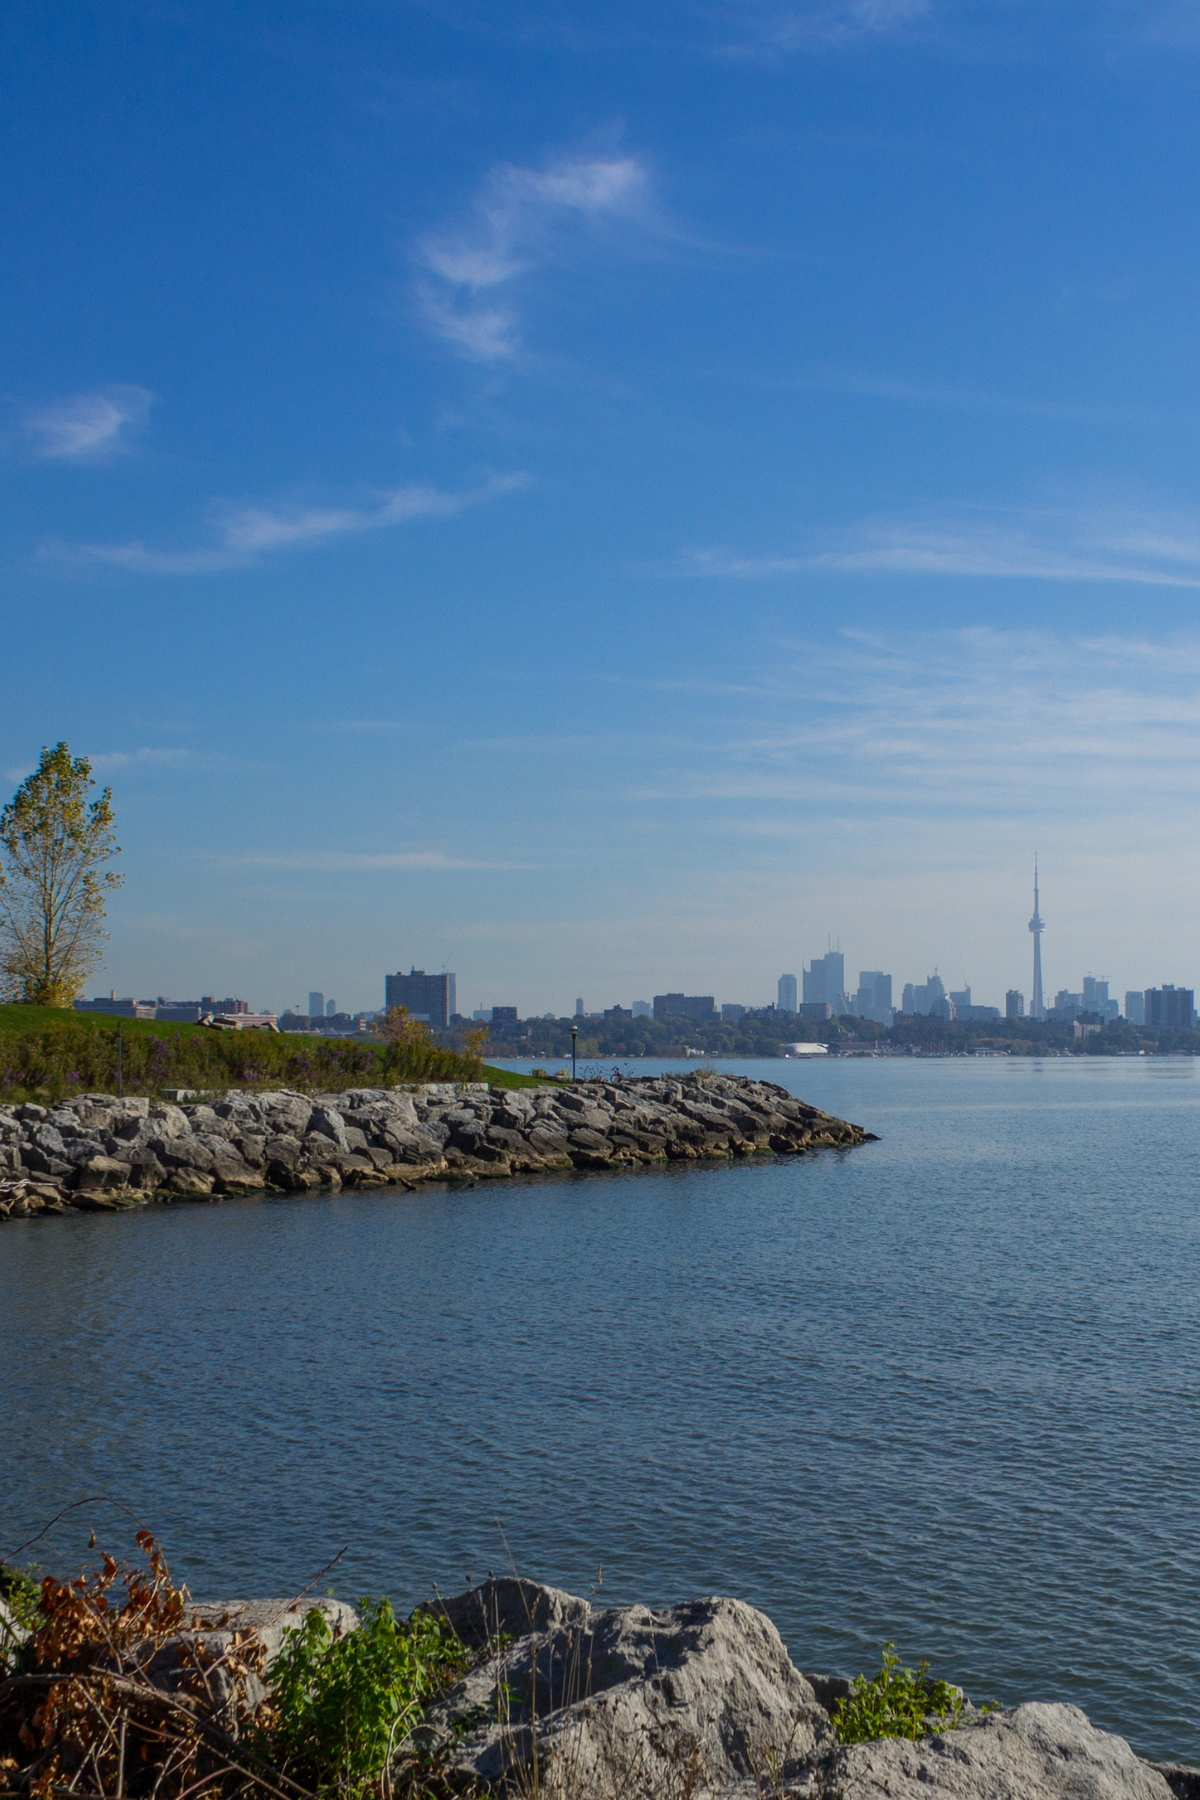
576 1702
95 1151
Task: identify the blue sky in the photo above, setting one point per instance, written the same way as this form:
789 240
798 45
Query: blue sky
601 499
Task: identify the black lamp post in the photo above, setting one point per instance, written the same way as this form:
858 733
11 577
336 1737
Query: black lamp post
574 1046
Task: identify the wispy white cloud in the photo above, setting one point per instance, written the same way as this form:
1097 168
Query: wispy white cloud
966 399
88 427
846 18
879 732
1046 544
758 26
468 273
162 757
246 534
333 860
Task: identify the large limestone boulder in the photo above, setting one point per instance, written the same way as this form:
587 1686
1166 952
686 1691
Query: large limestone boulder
217 1621
1034 1752
627 1701
701 1702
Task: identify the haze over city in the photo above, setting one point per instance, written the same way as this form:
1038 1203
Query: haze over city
602 505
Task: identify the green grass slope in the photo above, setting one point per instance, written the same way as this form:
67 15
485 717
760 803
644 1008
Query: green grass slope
47 1054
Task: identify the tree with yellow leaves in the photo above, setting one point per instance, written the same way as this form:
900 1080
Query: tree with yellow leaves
54 843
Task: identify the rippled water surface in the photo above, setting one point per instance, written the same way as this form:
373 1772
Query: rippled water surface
941 1389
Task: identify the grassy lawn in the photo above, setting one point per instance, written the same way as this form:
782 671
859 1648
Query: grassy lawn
48 1053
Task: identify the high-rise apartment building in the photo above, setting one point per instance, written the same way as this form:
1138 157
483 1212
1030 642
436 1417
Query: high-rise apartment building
1135 1006
579 1012
316 1006
786 994
684 1006
1014 1004
1170 1008
430 997
874 997
331 1009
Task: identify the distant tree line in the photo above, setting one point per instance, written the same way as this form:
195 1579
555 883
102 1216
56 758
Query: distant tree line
765 1032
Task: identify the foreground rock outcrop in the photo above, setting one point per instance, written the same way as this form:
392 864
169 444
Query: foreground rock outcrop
626 1700
629 1703
1033 1751
96 1152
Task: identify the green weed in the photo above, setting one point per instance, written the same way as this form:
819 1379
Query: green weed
344 1705
897 1702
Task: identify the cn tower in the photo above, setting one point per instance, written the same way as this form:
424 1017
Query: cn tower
1038 1009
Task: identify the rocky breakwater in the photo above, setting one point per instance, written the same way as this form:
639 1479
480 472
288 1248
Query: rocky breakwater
96 1152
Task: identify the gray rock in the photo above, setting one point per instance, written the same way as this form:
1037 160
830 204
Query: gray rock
829 1689
183 1153
287 1114
1182 1779
218 1626
44 1162
284 1150
623 1701
508 1607
1034 1752
269 1620
329 1122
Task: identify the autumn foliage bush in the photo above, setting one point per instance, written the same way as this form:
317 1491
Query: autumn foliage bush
119 1692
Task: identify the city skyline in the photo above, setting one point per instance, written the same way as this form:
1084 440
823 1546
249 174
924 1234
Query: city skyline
821 978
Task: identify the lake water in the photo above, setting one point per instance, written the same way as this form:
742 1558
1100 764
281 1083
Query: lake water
943 1389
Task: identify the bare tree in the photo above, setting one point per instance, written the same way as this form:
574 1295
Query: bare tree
54 844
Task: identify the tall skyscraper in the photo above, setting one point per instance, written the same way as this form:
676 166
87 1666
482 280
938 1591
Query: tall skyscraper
1037 1009
316 1006
874 997
786 993
825 979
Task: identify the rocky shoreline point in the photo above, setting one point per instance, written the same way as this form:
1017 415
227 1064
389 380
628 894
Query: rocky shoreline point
95 1152
567 1700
